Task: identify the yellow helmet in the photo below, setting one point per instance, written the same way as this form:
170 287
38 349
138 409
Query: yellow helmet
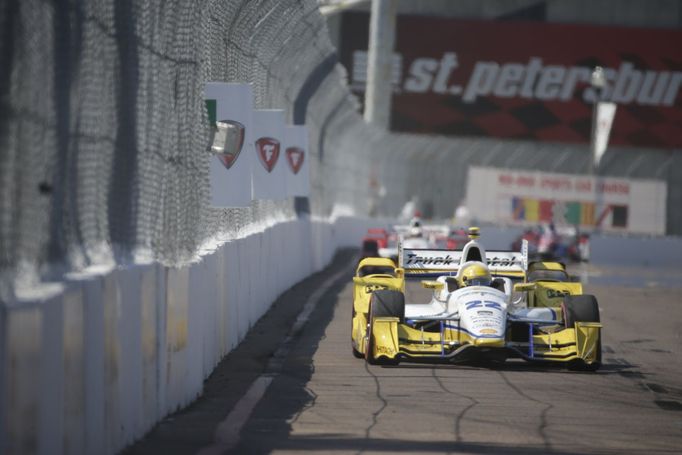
476 275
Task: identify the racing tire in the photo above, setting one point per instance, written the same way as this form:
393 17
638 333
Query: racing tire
383 303
582 308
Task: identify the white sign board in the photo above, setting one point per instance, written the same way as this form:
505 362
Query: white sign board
230 179
268 170
528 198
297 161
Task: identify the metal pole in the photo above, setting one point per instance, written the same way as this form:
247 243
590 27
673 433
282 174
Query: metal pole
591 168
380 62
597 81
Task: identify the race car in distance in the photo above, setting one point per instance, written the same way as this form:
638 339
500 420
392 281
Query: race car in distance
475 312
380 235
550 242
375 239
415 234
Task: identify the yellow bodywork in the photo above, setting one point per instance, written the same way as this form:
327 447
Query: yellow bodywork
385 341
587 339
551 293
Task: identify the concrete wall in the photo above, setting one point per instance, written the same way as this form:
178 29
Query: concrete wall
91 364
607 249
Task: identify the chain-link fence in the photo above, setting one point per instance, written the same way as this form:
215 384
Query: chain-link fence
103 130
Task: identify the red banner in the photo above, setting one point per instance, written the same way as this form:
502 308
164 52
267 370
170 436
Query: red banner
526 80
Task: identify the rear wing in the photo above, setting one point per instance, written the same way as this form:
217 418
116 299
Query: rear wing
441 229
424 262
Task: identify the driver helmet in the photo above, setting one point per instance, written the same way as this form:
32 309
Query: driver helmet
476 275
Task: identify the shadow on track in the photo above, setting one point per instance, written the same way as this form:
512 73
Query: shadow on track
288 396
193 428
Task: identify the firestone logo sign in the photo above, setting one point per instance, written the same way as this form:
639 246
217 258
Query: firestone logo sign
229 156
267 149
295 157
530 80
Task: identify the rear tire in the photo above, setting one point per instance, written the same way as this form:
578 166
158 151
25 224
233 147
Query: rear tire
383 303
582 308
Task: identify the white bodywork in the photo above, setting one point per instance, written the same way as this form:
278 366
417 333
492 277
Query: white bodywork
480 311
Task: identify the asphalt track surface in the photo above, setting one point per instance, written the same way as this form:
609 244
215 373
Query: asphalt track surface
320 399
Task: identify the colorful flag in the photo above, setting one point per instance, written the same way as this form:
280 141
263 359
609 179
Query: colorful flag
532 207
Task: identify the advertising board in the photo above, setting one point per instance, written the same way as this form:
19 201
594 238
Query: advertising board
531 198
268 172
231 104
297 159
526 80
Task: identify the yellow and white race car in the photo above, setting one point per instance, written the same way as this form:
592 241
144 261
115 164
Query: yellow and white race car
484 305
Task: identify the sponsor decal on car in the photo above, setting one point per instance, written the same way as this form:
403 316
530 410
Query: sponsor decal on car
503 261
414 259
374 287
554 293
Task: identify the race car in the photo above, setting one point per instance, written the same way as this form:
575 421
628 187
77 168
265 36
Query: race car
380 235
416 234
475 311
550 242
378 242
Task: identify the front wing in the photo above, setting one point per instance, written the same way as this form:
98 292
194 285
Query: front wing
393 340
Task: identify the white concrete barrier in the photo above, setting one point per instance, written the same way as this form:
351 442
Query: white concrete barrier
91 364
606 249
636 251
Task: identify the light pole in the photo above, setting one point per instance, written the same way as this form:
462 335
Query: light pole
598 81
380 63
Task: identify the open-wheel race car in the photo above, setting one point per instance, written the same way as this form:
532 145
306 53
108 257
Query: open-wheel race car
484 306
